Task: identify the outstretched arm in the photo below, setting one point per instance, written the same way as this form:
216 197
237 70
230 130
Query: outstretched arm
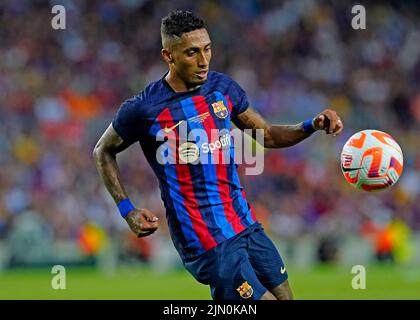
142 222
280 136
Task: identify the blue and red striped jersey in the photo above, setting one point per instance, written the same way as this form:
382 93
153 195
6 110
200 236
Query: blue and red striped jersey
186 140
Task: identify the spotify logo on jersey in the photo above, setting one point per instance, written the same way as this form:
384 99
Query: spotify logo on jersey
188 152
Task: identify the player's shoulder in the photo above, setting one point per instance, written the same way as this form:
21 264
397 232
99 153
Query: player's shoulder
222 81
231 89
153 89
219 77
144 101
153 93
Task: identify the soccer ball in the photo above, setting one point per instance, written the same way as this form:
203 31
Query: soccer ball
371 160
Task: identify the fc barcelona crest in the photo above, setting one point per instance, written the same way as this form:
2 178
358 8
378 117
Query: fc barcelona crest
245 290
220 109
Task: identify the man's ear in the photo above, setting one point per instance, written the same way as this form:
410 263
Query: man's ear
167 56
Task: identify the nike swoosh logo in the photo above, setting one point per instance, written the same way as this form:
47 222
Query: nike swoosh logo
168 130
282 270
349 169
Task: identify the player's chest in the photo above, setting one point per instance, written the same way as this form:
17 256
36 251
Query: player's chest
197 112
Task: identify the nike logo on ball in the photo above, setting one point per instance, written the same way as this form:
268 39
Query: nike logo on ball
349 169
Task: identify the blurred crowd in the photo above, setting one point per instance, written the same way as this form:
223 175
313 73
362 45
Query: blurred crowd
59 90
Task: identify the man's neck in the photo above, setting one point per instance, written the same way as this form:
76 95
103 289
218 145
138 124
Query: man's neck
177 84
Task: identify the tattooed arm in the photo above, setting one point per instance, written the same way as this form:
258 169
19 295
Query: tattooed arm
280 136
142 222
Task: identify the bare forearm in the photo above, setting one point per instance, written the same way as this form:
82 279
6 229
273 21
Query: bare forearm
275 136
104 155
107 167
281 136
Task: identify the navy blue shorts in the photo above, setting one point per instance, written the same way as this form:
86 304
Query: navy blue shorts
242 267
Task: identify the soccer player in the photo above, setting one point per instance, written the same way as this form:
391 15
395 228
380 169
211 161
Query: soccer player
212 226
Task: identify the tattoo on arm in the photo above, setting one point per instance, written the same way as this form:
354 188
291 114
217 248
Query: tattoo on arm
275 136
250 119
104 155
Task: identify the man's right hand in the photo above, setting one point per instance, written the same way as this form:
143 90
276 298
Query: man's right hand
142 222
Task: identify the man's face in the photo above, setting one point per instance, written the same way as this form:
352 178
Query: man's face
191 57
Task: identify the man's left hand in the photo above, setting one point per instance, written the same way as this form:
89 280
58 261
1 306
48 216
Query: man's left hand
329 121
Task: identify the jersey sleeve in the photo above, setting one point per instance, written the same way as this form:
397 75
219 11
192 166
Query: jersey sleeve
238 98
128 120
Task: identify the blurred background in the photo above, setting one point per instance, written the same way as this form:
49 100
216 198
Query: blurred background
59 90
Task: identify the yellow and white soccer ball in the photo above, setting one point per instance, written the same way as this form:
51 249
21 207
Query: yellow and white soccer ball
372 160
